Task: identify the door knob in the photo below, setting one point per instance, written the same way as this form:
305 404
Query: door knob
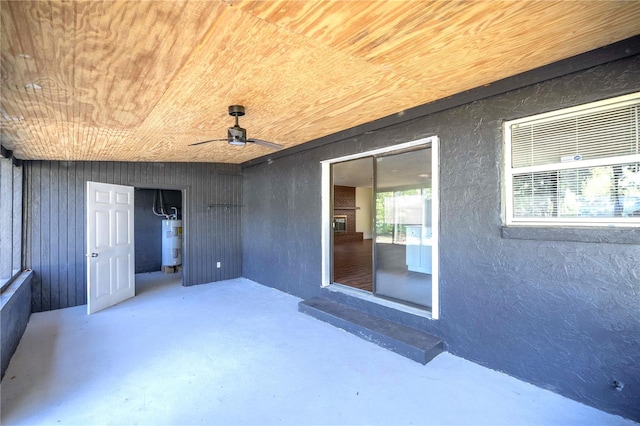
94 254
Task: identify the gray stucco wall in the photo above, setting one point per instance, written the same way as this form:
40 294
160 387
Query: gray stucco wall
15 310
564 315
55 242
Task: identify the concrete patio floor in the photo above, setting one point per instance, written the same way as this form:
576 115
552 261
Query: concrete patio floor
236 352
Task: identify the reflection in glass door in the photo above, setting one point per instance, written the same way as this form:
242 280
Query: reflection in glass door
403 227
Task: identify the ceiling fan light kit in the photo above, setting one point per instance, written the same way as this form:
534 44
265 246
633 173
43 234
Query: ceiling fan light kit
236 135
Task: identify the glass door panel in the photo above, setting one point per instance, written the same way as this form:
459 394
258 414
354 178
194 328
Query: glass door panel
352 223
403 227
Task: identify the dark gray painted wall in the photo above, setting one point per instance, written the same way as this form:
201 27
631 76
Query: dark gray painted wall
14 316
55 221
564 315
148 227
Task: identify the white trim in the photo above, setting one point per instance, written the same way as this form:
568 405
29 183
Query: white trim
435 230
326 223
507 176
384 150
325 166
621 222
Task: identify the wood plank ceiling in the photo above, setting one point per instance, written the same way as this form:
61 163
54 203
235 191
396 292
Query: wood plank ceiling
140 80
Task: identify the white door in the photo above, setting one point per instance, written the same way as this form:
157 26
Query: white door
110 249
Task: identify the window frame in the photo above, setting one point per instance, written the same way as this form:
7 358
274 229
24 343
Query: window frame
509 172
12 177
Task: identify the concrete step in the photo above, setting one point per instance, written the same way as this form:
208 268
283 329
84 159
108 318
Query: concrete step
406 341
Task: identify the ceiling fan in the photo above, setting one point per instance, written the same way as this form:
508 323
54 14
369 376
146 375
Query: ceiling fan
236 135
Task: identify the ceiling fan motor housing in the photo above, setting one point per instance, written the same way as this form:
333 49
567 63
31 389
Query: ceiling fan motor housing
236 135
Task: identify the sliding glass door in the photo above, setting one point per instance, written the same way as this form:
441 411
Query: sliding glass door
383 223
403 231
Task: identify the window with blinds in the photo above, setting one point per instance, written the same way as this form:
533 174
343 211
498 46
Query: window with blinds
576 166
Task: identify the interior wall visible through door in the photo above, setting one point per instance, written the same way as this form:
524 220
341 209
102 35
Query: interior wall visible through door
149 205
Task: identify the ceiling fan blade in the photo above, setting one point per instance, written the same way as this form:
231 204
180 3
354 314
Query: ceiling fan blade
271 145
203 142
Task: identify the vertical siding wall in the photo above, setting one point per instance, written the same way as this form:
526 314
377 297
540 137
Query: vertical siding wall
558 309
55 242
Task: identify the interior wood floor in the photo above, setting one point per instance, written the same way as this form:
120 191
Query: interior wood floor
353 264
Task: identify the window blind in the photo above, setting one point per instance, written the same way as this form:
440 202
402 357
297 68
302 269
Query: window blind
586 136
576 166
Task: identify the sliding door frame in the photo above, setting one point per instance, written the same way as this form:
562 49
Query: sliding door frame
327 220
